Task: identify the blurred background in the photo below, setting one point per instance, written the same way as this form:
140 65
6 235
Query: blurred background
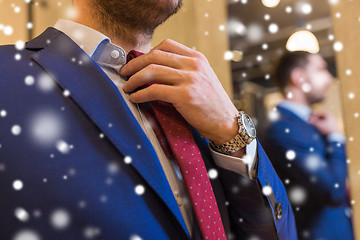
243 40
259 32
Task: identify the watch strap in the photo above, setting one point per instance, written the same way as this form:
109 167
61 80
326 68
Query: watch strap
231 146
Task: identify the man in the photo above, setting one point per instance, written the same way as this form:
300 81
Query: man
307 150
83 154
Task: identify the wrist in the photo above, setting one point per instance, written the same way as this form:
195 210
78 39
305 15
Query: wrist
245 134
226 133
329 132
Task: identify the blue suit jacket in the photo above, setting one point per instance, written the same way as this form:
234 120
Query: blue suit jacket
317 175
85 179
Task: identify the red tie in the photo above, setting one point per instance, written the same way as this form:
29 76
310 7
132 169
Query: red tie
168 123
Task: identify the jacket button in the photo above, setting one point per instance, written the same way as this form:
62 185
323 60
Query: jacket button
278 211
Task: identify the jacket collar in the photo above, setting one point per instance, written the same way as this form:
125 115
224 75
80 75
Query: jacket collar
99 98
301 111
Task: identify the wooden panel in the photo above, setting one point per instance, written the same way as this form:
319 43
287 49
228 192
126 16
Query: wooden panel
13 14
347 32
46 13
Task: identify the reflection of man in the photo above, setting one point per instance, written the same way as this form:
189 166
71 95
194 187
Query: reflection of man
80 159
307 151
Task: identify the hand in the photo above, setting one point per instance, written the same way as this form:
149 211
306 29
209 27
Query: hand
324 122
187 81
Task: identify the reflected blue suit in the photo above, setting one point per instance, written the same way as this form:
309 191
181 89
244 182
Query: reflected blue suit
316 177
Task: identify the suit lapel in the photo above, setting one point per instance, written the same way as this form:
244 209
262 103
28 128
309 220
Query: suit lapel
99 98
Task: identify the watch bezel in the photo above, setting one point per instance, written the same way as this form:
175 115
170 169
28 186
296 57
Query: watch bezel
250 127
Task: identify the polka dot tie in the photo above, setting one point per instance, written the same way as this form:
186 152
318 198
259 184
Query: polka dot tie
179 142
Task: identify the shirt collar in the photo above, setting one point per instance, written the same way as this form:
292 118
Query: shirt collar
299 110
94 43
80 34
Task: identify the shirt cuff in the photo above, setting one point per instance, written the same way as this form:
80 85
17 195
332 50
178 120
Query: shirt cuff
336 137
246 166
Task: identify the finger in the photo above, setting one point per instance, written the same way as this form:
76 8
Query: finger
153 73
155 92
172 46
158 57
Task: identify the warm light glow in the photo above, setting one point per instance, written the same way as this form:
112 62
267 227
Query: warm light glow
303 7
234 55
237 56
270 3
306 8
333 2
303 40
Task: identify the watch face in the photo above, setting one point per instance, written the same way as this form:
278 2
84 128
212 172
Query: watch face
248 125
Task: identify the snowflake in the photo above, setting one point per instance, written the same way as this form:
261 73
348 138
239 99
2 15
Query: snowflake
338 46
290 155
273 28
16 130
135 237
127 159
297 195
26 234
18 185
21 214
139 189
45 83
213 173
3 113
267 190
62 147
60 219
91 232
29 80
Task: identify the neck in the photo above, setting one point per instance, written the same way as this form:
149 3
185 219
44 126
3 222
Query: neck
296 95
122 37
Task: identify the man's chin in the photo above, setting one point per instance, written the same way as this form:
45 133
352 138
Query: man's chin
317 100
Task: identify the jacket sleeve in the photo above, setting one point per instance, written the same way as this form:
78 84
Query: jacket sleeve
319 165
253 213
260 206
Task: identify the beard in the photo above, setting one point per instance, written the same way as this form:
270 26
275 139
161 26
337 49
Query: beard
313 98
140 16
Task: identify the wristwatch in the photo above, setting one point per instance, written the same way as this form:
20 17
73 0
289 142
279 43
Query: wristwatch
246 134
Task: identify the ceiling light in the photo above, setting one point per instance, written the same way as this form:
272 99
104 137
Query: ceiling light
270 3
303 40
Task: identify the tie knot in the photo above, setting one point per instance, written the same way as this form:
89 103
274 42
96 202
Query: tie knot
133 54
